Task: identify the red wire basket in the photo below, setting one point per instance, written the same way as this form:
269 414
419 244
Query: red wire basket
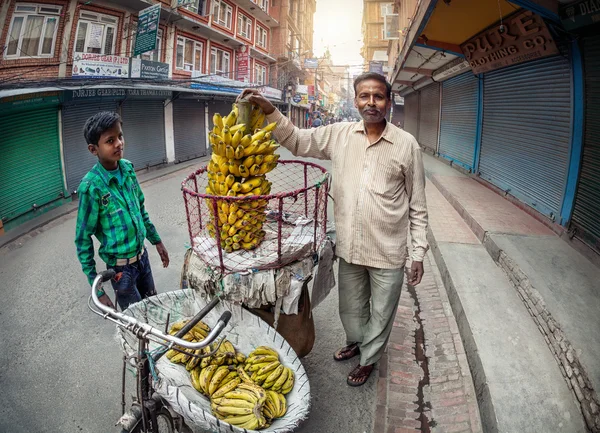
295 223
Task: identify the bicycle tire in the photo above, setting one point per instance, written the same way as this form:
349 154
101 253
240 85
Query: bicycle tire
164 421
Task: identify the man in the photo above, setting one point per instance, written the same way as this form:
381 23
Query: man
316 121
379 194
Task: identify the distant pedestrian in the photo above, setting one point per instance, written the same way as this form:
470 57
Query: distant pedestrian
316 122
379 194
111 208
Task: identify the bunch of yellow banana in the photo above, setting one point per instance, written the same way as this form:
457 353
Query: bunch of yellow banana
241 156
268 372
225 355
275 405
242 407
182 356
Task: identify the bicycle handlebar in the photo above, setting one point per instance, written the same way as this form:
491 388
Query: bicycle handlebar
128 321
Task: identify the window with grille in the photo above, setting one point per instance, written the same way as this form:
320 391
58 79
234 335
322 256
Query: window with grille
263 4
197 6
153 55
391 30
387 9
96 33
189 54
261 37
222 13
33 30
219 62
260 74
244 26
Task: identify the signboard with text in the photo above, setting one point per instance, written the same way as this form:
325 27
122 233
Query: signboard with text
270 92
525 37
147 30
452 69
376 67
311 63
580 14
87 65
114 93
243 64
149 70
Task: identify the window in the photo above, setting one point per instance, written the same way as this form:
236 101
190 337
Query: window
33 31
219 62
261 37
387 9
391 29
244 26
153 55
197 6
260 74
222 13
96 33
264 5
189 54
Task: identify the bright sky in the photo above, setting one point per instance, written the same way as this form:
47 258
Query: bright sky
338 26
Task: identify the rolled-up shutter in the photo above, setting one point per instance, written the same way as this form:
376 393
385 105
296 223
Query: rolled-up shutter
144 132
458 130
586 213
78 159
31 174
526 136
411 114
429 116
190 131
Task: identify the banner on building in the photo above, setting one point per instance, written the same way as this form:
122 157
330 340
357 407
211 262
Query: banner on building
243 64
452 69
311 63
150 70
87 65
147 30
270 92
580 14
524 37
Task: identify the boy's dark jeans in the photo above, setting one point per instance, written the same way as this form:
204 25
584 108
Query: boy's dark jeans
135 282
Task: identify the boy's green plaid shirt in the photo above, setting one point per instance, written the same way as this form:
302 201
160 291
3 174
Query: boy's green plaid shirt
113 212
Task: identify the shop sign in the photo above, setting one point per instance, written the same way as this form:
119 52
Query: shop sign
243 64
524 37
311 63
112 93
34 100
452 69
297 98
100 66
147 30
580 14
270 92
149 70
376 67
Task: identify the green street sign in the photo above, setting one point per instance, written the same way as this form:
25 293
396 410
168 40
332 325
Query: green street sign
147 30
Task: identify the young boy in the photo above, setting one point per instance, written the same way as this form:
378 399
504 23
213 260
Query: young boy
111 207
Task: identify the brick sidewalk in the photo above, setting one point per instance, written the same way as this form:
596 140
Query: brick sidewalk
428 389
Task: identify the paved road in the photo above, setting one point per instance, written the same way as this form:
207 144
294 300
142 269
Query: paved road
60 364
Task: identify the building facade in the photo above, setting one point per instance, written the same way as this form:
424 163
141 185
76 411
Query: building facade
65 60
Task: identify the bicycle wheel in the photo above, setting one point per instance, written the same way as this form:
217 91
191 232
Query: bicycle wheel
164 422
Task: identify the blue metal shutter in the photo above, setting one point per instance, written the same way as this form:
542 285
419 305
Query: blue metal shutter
411 114
144 132
586 213
429 116
190 133
31 174
78 159
526 136
458 131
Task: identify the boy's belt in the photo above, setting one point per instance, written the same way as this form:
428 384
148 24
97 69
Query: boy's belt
123 262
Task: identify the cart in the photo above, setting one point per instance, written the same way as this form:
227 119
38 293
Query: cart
166 401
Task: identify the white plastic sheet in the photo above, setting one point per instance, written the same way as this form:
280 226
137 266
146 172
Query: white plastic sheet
246 332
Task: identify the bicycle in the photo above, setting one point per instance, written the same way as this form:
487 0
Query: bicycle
150 413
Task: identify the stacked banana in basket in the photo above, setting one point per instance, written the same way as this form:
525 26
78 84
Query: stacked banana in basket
248 392
243 152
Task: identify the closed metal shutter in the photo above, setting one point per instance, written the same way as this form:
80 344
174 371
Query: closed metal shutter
31 174
458 129
78 159
411 114
429 116
190 132
144 132
586 213
526 136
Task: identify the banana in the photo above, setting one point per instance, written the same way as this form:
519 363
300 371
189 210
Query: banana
254 170
229 152
232 218
245 395
203 378
244 375
257 390
259 159
236 138
233 410
171 353
270 127
240 419
246 140
264 350
249 161
273 402
244 172
229 121
231 375
250 184
238 152
218 359
275 376
289 383
271 158
234 169
250 150
281 379
216 379
226 402
282 405
218 120
196 380
229 349
194 361
239 127
239 356
228 387
254 367
180 358
259 121
253 424
229 180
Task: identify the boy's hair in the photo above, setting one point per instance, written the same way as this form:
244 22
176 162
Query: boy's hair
96 125
374 76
